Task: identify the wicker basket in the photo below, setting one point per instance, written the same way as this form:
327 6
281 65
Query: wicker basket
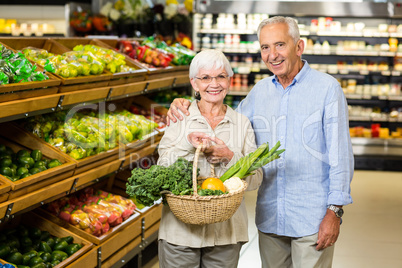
201 210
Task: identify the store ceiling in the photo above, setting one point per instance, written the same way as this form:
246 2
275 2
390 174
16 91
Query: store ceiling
303 8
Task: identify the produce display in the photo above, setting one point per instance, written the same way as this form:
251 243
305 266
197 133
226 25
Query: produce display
18 165
67 65
181 54
155 53
113 61
147 184
155 116
166 98
87 133
28 246
93 211
15 68
82 61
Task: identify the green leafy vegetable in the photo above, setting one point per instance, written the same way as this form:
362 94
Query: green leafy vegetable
146 184
205 192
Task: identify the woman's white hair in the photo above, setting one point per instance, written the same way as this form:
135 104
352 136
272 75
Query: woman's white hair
292 25
209 59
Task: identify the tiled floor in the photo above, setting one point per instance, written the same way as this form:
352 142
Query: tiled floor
371 233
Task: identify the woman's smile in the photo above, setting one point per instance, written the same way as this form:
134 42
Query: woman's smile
214 91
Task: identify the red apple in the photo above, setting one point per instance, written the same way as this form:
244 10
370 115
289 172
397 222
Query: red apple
65 215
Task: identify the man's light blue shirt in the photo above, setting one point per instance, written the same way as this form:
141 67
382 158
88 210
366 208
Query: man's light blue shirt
310 119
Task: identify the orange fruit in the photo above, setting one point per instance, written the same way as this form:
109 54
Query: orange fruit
213 184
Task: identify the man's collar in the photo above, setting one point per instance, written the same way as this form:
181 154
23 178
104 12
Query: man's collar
300 75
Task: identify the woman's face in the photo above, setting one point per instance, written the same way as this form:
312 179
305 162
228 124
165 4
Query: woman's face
212 85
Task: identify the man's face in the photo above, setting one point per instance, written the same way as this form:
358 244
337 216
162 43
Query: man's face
279 52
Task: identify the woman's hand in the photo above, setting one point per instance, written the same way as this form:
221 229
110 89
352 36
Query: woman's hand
218 152
214 149
197 138
173 113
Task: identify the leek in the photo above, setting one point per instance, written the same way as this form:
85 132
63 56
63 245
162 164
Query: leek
253 161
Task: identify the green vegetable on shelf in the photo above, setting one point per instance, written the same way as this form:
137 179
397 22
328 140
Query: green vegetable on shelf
16 68
3 78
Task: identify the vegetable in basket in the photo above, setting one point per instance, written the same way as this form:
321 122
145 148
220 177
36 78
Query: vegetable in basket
253 161
146 184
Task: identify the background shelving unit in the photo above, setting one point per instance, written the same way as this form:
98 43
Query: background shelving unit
104 169
356 52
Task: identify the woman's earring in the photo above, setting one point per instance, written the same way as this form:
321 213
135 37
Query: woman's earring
197 95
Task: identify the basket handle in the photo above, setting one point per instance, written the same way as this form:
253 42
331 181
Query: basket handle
195 163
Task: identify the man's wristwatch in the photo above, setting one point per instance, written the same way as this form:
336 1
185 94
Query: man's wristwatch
338 211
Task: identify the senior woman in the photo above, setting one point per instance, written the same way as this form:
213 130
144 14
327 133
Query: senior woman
226 136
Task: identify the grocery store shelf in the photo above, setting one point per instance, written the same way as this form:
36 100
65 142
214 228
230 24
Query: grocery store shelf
375 119
377 147
374 98
308 32
227 31
343 52
98 171
18 109
125 243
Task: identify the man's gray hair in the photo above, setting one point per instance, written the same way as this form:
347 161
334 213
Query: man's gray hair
292 25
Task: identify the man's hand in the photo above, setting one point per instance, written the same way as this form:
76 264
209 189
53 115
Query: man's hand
173 113
329 230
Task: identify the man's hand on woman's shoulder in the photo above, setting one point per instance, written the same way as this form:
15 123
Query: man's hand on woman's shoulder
173 113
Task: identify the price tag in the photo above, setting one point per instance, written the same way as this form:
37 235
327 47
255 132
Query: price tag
255 69
386 73
395 98
344 72
364 72
244 70
396 73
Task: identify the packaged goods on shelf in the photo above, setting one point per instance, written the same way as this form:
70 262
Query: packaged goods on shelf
67 65
376 131
85 134
157 53
15 68
113 61
77 70
93 211
84 60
